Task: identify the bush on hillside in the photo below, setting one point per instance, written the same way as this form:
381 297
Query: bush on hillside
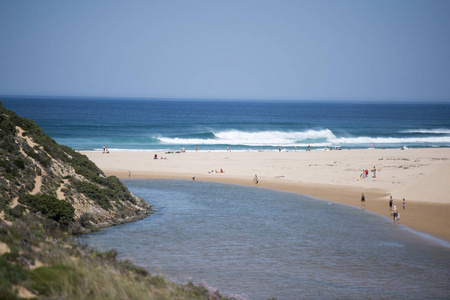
50 206
100 196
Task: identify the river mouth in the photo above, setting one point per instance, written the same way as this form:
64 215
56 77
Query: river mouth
261 243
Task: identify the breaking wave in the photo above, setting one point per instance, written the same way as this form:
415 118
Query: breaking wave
315 138
259 138
428 131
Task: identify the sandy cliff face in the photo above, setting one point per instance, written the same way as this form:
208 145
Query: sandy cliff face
33 163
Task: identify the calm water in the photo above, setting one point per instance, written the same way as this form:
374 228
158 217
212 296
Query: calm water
127 124
260 243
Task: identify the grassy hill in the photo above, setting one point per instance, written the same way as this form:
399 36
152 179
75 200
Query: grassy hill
48 192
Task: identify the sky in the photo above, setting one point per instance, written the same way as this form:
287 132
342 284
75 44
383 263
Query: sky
289 50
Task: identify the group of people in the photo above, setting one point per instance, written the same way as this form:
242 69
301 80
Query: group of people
365 173
395 214
105 149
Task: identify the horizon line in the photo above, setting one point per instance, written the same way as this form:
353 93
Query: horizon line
64 97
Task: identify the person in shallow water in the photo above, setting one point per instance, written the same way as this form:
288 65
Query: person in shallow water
363 199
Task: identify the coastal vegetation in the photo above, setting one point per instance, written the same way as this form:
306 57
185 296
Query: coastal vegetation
48 194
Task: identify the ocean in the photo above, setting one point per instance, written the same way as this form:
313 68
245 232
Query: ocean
166 125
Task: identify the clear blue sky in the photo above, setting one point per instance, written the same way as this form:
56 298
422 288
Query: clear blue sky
304 50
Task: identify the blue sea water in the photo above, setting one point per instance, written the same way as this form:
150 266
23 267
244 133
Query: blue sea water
166 125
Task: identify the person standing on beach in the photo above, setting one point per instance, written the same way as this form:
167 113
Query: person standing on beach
374 172
255 179
104 147
363 199
395 214
129 173
404 204
390 203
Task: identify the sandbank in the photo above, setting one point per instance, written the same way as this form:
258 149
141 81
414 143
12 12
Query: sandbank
421 176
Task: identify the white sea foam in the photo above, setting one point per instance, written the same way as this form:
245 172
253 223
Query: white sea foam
430 131
390 140
259 138
314 138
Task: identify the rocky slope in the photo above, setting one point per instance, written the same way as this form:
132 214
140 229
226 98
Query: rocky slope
40 176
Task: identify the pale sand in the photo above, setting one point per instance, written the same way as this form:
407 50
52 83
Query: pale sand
422 176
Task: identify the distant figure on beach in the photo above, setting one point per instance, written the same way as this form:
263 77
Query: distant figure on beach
398 218
182 149
255 179
129 173
395 214
371 146
374 170
196 149
156 156
309 148
104 147
367 173
363 199
193 178
221 171
279 149
295 148
404 204
390 203
107 151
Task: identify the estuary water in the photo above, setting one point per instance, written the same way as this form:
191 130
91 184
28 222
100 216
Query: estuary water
259 243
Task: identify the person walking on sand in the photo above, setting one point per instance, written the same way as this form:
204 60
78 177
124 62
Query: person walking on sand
390 203
374 172
404 204
395 214
129 173
255 179
363 200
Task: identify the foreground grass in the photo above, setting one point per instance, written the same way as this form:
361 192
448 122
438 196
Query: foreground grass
40 261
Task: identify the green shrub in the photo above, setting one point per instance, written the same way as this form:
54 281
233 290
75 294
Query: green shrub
19 163
90 190
16 212
50 206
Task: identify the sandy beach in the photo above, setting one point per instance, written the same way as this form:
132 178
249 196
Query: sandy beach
421 176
